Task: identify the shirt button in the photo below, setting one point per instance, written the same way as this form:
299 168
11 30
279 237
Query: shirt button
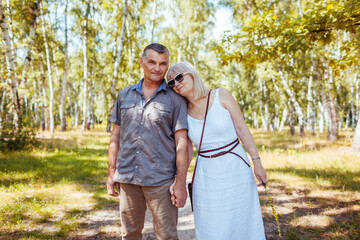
136 166
139 137
137 151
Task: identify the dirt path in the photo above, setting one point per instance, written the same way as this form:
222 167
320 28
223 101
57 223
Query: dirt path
105 224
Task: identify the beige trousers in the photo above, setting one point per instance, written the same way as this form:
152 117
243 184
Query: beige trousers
133 202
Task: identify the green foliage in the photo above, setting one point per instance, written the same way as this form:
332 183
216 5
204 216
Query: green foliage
13 139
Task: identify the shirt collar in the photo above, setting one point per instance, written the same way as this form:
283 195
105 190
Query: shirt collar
138 87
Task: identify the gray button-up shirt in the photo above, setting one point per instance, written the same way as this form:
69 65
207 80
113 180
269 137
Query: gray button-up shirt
147 151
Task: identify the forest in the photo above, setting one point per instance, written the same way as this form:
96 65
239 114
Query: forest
288 63
292 66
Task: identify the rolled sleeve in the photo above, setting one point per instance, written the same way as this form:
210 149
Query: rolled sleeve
115 116
180 115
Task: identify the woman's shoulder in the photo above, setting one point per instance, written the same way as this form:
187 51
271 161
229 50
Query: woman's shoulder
225 97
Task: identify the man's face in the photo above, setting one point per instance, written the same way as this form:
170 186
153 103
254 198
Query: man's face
155 66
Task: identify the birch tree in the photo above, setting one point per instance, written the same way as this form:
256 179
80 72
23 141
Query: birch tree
120 48
85 76
10 63
49 73
64 79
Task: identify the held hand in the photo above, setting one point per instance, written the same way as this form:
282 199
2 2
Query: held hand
179 194
171 190
111 186
260 173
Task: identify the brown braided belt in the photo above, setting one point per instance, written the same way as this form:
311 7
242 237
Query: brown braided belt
235 142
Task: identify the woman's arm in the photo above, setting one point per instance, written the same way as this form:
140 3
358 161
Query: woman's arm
243 132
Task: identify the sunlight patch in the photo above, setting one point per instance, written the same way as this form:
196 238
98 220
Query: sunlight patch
312 221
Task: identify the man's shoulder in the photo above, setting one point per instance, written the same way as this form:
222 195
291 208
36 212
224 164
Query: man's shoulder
175 97
126 90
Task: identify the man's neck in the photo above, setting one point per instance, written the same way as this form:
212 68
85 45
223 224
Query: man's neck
150 85
149 88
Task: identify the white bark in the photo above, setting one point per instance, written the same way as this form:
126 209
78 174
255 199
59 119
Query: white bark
10 62
51 90
300 11
321 117
32 33
45 113
264 123
292 98
85 80
330 107
357 101
283 119
153 20
117 61
310 100
352 107
356 143
64 79
120 50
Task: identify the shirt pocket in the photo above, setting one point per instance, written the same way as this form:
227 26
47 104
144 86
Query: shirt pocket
128 112
161 113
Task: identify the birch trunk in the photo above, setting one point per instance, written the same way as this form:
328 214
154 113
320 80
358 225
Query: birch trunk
322 117
356 143
153 20
51 90
332 123
70 105
76 108
347 121
300 11
45 118
309 100
32 33
264 124
283 119
85 80
352 107
35 102
314 114
10 62
292 121
295 103
117 62
357 112
64 80
256 122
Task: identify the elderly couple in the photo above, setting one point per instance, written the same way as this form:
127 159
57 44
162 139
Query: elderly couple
155 124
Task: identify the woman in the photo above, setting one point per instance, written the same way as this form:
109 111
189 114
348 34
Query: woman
226 202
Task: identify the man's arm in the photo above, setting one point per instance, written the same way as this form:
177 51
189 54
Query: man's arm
182 165
113 151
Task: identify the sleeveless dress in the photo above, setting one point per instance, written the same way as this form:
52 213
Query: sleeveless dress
225 197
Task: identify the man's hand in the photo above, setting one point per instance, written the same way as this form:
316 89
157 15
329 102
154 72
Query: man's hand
111 185
113 188
178 194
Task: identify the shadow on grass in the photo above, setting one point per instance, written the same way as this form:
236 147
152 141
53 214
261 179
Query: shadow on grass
80 165
304 220
340 180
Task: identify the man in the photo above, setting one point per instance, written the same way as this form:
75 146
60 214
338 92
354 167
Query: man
148 147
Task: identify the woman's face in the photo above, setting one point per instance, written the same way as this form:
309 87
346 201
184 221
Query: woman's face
182 83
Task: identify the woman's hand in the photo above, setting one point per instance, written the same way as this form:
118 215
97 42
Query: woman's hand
259 172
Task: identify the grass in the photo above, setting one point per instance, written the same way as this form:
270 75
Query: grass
58 190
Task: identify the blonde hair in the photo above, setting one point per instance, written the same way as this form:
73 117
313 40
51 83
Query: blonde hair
200 90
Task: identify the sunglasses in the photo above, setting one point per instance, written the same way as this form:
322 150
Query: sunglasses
179 78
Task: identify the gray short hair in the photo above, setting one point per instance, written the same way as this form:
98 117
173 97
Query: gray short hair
157 47
200 90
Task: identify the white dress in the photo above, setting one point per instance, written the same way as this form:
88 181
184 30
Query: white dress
225 197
